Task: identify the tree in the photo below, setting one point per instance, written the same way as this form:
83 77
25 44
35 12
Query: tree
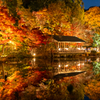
92 18
96 68
6 26
55 19
17 35
96 40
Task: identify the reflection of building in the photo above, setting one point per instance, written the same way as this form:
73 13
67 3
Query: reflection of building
67 66
69 44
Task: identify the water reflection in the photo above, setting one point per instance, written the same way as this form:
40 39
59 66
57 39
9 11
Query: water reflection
9 67
62 65
57 66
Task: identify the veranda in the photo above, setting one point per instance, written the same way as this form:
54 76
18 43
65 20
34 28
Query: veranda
70 47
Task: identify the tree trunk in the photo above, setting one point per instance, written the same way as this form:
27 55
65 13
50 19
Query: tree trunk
3 73
3 49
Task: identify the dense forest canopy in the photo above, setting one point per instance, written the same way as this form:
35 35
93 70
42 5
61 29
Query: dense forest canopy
61 17
92 18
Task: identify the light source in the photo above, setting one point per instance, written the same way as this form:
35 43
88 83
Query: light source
66 66
59 49
79 48
34 54
78 64
34 59
66 48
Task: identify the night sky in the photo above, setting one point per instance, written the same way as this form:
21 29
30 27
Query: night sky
90 3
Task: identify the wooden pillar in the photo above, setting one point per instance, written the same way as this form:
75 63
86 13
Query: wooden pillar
64 46
58 45
77 46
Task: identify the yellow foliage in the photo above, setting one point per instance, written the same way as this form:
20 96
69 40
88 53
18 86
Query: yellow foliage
92 17
92 90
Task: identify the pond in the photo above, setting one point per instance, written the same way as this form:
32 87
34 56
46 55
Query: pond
46 79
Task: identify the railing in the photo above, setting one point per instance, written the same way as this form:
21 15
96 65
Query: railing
69 50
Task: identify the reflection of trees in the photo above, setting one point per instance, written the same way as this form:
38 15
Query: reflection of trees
96 67
10 67
92 90
54 88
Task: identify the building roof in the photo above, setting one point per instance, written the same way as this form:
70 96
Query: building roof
67 38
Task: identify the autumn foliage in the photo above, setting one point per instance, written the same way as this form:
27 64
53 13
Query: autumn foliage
16 84
17 35
92 90
92 18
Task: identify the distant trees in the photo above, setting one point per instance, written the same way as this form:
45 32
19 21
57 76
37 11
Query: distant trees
92 18
56 18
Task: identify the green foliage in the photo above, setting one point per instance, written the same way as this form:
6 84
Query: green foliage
96 40
96 67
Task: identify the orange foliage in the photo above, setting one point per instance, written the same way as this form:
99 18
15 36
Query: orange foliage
16 83
92 18
20 34
92 90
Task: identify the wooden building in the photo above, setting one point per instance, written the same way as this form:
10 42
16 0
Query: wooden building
69 44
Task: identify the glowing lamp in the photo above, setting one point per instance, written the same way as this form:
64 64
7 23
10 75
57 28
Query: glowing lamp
78 65
66 66
79 48
83 64
34 54
59 49
11 42
34 59
66 48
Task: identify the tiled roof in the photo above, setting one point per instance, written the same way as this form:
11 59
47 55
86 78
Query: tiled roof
67 38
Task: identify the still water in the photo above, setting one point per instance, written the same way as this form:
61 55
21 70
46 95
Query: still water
57 66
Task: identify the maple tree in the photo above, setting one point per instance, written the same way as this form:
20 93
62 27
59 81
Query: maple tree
16 86
7 29
16 83
17 35
55 19
59 17
92 18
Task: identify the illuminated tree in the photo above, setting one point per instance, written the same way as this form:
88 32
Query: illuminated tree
92 18
55 19
17 35
92 90
61 17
